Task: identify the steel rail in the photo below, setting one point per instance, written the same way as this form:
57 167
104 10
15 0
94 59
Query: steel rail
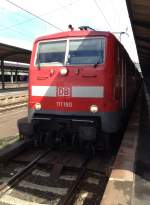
18 176
12 106
72 190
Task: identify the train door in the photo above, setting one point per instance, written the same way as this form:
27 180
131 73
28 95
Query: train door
123 84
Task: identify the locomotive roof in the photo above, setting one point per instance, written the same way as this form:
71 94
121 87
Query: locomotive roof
79 33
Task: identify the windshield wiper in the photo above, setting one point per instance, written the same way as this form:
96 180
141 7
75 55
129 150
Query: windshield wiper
96 64
38 61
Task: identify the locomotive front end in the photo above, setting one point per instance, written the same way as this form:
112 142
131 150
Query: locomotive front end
66 91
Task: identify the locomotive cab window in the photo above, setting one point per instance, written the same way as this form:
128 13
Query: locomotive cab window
86 51
51 53
70 52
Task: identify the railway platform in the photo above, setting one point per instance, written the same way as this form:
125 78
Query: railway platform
11 91
13 106
129 182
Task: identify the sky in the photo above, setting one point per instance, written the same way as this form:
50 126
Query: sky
19 28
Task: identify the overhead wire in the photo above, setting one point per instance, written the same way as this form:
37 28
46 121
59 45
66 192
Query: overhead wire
35 15
116 12
32 19
14 25
21 33
99 8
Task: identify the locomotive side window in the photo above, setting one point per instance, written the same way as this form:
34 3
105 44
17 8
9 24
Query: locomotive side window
86 51
51 52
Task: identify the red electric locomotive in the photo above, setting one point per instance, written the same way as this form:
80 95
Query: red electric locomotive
81 84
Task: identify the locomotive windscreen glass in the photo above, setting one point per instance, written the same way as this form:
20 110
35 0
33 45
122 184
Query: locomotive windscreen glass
86 51
51 52
78 52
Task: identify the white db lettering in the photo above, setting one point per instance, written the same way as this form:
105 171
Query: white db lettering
63 91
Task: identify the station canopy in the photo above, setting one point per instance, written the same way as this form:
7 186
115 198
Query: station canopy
139 12
15 54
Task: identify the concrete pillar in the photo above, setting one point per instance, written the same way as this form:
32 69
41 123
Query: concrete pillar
16 75
2 73
11 77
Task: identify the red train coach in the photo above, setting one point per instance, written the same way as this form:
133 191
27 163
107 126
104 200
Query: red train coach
81 84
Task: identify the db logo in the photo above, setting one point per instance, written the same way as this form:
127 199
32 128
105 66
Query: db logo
63 91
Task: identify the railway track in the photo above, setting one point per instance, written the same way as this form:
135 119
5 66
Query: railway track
12 106
13 101
53 177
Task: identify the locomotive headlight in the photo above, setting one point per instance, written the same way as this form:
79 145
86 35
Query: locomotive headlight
63 71
93 108
38 106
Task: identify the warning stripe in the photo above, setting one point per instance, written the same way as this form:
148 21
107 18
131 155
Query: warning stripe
77 91
49 91
88 91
